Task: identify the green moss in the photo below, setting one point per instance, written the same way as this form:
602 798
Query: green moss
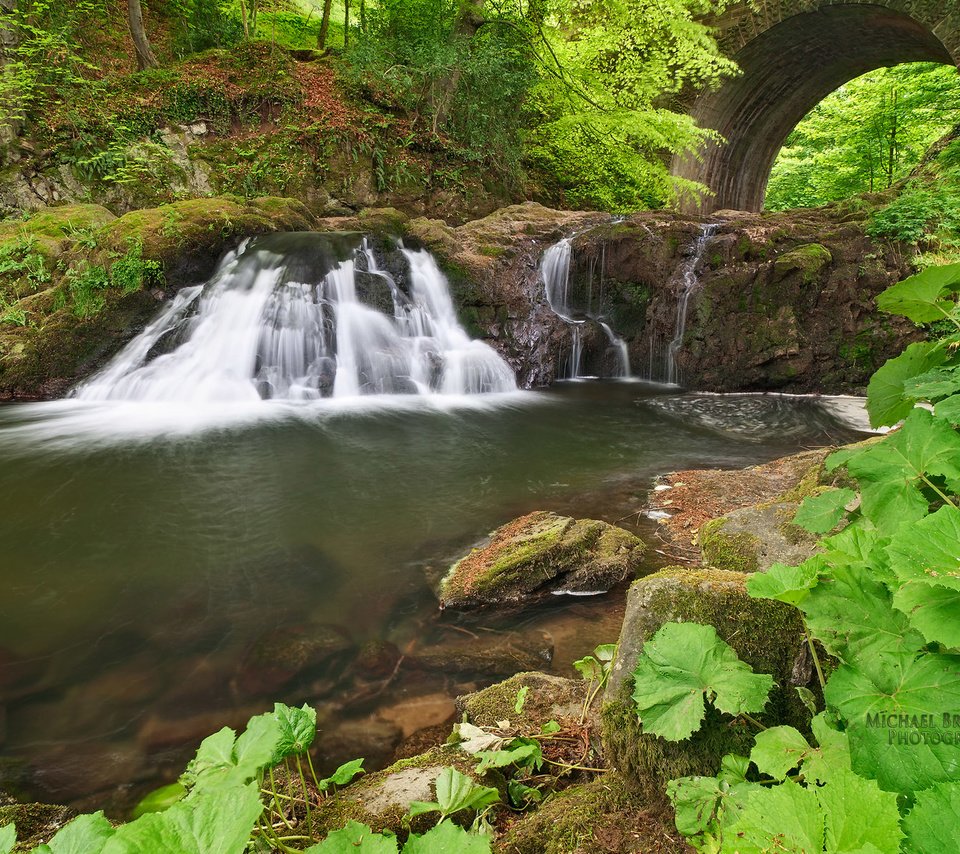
36 823
736 552
569 821
548 697
808 259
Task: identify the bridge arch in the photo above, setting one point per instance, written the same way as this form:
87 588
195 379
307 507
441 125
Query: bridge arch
793 53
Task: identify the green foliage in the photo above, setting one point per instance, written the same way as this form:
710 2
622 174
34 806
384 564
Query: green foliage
595 669
203 24
917 211
864 137
8 838
681 665
160 799
883 598
455 792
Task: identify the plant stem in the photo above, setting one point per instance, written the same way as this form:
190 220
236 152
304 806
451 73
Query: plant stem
939 491
313 773
276 799
303 782
752 720
816 658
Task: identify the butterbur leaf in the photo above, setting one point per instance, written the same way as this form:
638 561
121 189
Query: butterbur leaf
890 472
298 727
935 384
214 754
160 799
699 802
852 615
356 838
858 814
680 665
8 838
257 744
822 513
807 697
589 668
605 652
790 584
420 807
343 775
929 551
949 409
447 838
831 755
934 822
932 611
784 818
733 768
86 834
521 795
522 755
456 791
550 727
521 699
887 398
777 750
902 758
209 821
925 297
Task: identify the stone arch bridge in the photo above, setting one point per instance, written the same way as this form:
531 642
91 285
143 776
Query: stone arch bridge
793 53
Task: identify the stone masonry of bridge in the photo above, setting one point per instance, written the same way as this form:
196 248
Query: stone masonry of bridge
792 54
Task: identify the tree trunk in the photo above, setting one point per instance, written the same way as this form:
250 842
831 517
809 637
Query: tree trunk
346 24
145 57
469 20
363 16
324 25
243 18
9 125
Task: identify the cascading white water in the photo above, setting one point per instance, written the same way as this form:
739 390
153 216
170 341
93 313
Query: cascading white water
689 282
555 274
258 330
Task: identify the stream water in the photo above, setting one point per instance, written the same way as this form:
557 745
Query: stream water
173 563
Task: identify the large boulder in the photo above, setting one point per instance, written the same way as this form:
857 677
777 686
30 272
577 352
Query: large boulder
538 555
547 698
767 635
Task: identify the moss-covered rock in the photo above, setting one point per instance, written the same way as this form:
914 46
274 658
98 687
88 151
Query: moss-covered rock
808 259
36 823
541 554
766 635
381 800
548 698
755 538
604 816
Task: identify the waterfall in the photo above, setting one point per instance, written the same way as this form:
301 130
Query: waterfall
687 274
555 275
283 318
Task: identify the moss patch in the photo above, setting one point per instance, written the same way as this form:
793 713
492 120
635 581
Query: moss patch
808 260
725 550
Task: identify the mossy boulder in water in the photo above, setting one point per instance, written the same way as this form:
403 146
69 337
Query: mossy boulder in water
548 698
753 539
766 635
541 554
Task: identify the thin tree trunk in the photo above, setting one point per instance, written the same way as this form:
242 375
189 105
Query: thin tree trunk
9 126
324 25
346 24
145 57
363 16
243 18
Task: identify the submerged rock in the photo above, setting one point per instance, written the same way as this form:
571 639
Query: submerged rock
767 635
541 554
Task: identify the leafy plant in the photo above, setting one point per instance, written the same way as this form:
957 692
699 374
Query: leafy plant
882 597
455 792
595 669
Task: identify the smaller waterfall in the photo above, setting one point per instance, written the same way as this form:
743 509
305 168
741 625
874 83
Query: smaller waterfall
555 274
689 282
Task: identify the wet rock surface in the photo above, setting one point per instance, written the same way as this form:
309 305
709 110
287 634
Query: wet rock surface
538 555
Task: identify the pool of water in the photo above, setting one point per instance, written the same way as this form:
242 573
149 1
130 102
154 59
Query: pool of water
165 572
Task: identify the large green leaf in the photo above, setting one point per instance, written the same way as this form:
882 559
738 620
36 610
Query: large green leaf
887 399
455 792
8 838
933 611
447 838
86 834
214 821
929 551
790 584
857 814
933 825
258 744
159 799
298 727
822 513
214 754
831 755
851 613
949 409
935 384
784 818
778 749
682 663
355 838
698 802
917 691
924 297
890 473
